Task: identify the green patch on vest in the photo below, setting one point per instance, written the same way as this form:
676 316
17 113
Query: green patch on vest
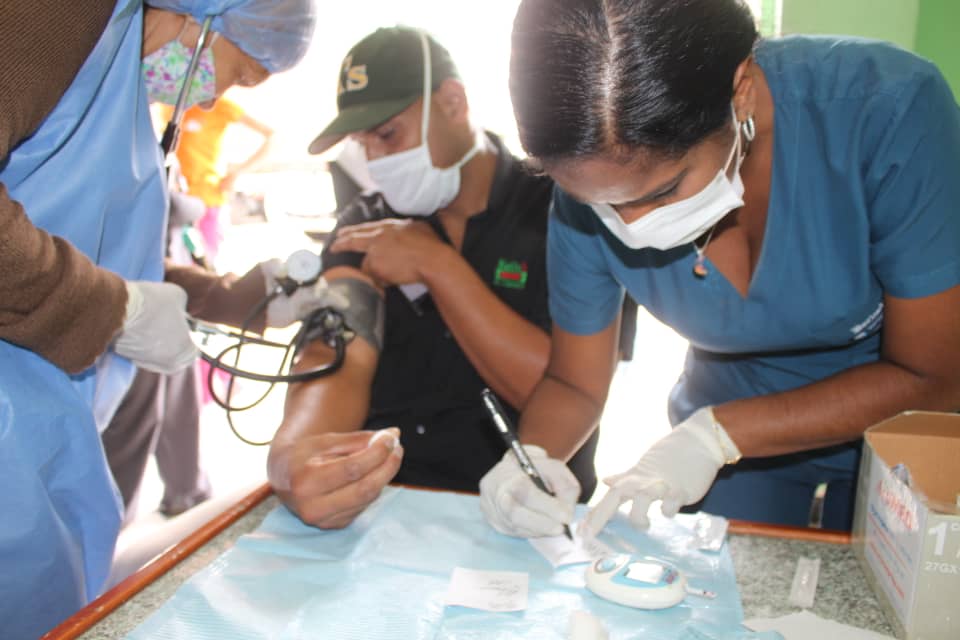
510 274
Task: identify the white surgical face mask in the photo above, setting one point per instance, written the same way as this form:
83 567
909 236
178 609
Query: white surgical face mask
408 180
682 222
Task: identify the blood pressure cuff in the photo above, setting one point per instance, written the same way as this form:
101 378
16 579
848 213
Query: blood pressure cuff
363 317
363 208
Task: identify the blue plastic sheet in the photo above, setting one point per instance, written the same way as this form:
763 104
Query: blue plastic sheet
385 577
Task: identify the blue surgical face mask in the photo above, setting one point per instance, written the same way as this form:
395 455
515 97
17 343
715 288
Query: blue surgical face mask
164 71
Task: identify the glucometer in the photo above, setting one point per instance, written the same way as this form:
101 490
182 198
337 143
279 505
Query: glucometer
641 582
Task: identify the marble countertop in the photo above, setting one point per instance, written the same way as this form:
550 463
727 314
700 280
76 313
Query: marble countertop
764 566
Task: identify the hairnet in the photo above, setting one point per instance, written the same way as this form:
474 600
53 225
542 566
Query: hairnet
275 33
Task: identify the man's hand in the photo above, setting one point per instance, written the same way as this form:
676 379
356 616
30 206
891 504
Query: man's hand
328 479
397 251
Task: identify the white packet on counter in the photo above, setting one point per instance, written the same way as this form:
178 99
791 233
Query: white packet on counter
709 532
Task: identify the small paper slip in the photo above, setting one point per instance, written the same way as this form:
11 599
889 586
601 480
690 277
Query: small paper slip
488 590
805 625
560 550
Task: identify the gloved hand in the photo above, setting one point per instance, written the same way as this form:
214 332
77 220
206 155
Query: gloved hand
284 310
155 334
515 506
678 469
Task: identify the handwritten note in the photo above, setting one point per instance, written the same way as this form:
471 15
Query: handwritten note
488 590
561 551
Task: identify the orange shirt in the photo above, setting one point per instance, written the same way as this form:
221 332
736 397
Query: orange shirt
201 138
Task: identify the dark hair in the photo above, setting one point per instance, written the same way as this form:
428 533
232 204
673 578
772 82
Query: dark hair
613 76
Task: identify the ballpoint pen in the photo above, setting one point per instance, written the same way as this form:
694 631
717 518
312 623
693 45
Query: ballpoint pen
499 419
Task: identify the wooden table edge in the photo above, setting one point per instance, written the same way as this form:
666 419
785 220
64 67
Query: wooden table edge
805 534
109 601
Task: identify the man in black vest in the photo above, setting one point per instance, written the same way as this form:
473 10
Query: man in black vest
445 270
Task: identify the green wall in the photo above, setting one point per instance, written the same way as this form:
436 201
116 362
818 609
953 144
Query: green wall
893 20
929 27
938 37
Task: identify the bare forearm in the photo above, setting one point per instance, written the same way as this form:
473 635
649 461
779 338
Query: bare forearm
256 158
832 411
321 467
262 151
917 370
558 418
509 352
335 403
566 405
226 299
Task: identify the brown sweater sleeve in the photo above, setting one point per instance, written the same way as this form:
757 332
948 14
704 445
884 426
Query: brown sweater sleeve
53 300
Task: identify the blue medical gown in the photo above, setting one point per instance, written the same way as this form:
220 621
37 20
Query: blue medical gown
864 201
92 174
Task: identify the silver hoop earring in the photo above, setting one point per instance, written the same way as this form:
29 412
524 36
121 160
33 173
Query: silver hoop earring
748 129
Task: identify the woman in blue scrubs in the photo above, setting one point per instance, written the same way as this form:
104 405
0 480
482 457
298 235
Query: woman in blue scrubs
790 206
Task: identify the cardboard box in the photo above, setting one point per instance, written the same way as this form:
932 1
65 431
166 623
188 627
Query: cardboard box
908 537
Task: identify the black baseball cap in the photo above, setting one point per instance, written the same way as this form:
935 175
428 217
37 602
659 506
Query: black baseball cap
380 77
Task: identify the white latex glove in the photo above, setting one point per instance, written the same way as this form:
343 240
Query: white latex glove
515 506
678 469
155 334
284 310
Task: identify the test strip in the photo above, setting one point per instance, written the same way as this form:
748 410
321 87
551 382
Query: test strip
804 586
701 593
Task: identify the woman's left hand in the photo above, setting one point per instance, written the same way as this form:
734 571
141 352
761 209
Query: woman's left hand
678 469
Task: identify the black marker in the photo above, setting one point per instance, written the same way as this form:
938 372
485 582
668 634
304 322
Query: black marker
499 419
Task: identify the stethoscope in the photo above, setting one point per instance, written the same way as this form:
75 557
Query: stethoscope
326 324
171 134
